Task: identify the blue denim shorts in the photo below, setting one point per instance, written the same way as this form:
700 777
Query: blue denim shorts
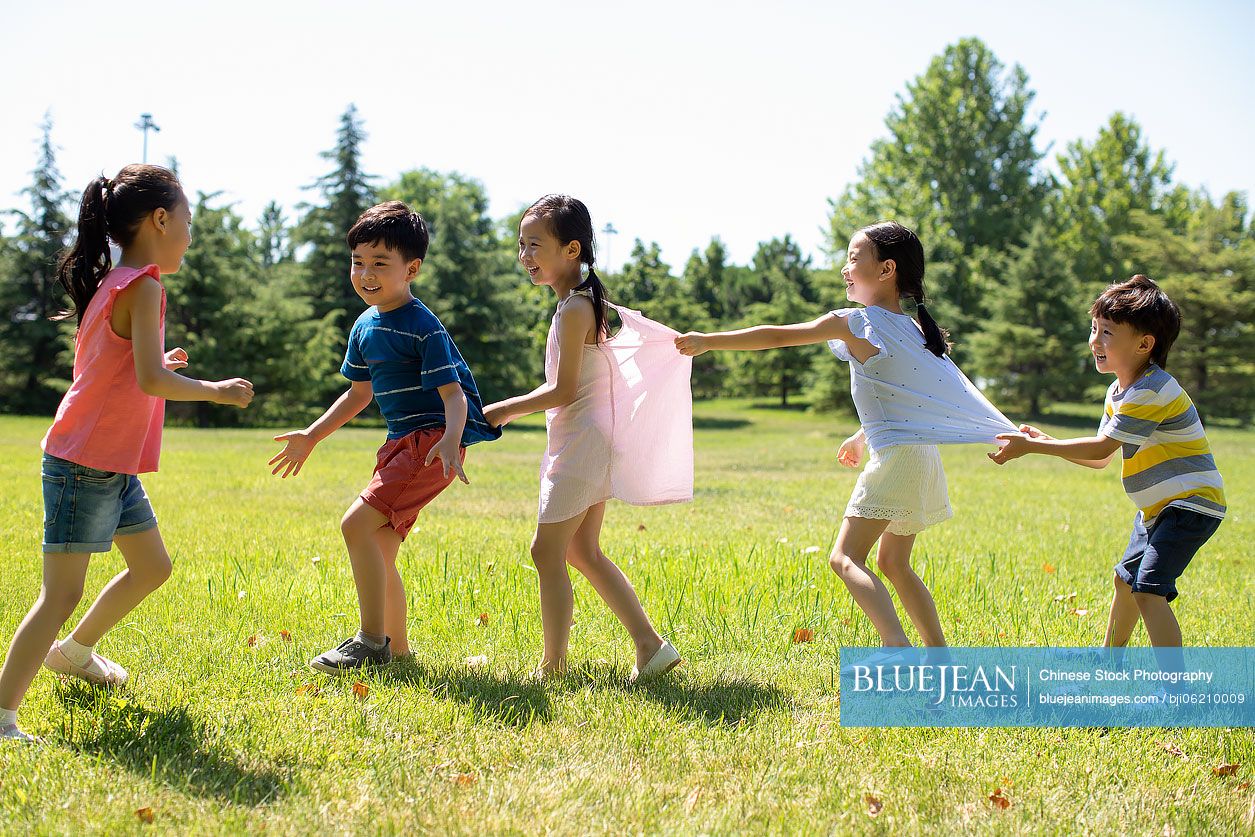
1155 559
84 508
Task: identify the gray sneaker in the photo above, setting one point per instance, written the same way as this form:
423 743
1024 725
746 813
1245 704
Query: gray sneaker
352 654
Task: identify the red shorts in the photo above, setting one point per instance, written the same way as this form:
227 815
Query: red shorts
401 484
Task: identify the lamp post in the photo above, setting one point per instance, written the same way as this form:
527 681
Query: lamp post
608 231
146 124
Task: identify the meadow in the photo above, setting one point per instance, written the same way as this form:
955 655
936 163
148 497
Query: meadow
224 729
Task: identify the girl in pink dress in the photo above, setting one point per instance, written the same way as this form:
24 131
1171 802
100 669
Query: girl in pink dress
107 429
618 415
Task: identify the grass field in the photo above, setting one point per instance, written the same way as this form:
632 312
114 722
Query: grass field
217 734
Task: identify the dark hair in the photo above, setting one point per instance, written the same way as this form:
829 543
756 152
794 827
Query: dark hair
393 224
568 219
891 240
111 209
1140 303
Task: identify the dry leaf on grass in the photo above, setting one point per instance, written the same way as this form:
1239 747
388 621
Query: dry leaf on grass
145 814
287 635
1173 749
1048 567
803 635
874 805
1069 597
999 800
465 780
360 690
1225 770
482 620
252 641
310 689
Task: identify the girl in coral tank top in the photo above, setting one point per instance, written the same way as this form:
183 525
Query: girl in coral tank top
107 429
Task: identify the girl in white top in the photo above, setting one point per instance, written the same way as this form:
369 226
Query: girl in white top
910 397
586 461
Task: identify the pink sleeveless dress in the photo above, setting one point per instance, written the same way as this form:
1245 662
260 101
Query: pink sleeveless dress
629 432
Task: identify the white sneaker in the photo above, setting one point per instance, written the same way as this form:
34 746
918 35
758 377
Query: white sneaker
11 732
664 659
99 670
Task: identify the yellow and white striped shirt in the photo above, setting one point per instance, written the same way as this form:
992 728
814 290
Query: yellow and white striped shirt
1167 461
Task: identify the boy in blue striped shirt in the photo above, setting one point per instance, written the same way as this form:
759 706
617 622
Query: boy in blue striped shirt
400 355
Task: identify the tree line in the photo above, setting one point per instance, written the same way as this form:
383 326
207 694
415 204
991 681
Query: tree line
1017 249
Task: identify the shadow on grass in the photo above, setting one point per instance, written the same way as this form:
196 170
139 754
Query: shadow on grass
168 745
719 423
727 701
490 697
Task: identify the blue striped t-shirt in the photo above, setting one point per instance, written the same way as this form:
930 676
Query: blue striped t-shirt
406 354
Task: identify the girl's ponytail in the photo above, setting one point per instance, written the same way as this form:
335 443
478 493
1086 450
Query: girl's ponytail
111 209
894 241
86 263
570 220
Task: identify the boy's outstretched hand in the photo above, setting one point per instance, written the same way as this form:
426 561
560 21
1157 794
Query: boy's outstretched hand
692 343
1013 445
449 451
298 448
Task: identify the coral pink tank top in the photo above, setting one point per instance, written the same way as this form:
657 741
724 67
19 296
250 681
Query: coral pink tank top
105 420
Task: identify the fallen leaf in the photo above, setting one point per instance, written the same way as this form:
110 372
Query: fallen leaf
640 527
1243 786
145 814
691 801
482 620
1174 750
874 805
788 510
478 661
803 635
1069 597
310 689
1079 611
1048 567
252 640
287 635
999 800
315 559
1225 770
465 779
360 690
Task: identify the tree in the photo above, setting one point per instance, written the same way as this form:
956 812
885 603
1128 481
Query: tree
1209 271
33 369
1031 348
346 193
274 236
960 166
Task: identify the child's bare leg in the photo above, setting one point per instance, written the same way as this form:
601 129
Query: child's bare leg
612 585
61 592
147 568
1124 615
1161 622
893 558
549 549
849 561
359 526
395 606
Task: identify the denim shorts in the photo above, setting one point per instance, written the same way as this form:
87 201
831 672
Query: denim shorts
1155 559
85 508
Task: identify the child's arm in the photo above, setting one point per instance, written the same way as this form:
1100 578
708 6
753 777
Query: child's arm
300 443
828 327
852 449
575 321
154 369
1097 450
450 444
1097 464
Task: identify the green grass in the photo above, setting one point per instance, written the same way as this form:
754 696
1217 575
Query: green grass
213 737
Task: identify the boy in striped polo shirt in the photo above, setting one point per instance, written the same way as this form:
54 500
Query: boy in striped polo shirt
1168 470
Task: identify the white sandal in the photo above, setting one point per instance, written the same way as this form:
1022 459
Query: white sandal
664 659
99 669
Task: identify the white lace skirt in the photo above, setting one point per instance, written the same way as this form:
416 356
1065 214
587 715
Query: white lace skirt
904 484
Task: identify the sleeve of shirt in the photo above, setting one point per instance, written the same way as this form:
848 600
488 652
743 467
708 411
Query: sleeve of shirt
1134 419
354 367
860 326
440 361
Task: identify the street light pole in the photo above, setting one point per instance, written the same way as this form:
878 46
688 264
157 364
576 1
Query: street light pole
146 124
608 231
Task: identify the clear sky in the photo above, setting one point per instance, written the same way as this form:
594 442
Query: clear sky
676 121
